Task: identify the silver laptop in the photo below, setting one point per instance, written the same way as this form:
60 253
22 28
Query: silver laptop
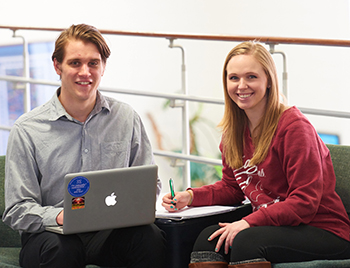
108 199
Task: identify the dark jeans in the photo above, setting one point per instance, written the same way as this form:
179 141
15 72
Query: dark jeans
279 244
141 246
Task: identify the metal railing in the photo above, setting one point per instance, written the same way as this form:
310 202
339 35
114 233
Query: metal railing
184 97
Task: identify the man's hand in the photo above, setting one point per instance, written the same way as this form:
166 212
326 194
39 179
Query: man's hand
59 218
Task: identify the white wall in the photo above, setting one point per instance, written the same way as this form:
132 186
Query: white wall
318 76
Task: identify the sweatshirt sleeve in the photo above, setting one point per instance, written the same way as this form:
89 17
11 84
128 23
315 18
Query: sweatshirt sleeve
223 192
298 152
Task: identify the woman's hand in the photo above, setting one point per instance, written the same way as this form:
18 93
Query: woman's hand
180 200
228 232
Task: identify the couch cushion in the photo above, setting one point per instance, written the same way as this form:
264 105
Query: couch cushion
9 257
340 155
314 264
9 237
2 183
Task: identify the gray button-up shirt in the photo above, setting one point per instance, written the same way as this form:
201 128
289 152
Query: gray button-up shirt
47 143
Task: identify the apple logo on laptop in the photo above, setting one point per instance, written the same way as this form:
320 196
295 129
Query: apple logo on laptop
110 200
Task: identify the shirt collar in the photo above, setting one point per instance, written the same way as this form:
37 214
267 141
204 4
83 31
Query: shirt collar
58 111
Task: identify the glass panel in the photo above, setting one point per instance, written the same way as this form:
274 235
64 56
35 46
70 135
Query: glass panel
12 93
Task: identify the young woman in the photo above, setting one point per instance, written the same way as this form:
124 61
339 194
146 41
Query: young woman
272 155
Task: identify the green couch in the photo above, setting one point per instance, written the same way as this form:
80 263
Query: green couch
10 240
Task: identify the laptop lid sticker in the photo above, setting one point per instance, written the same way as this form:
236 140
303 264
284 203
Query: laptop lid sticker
78 186
78 202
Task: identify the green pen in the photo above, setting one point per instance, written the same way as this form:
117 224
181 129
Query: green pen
172 188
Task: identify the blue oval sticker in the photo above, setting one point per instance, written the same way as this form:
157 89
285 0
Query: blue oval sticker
78 186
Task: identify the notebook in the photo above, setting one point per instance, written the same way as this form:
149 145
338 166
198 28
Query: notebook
108 199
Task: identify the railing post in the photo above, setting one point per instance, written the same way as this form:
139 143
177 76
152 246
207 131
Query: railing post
186 168
284 73
26 73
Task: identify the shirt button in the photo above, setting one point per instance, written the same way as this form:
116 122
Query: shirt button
86 151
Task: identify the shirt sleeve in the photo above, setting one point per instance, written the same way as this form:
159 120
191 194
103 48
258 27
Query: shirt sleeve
23 211
301 155
223 192
141 150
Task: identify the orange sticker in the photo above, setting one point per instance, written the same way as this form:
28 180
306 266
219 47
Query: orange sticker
78 202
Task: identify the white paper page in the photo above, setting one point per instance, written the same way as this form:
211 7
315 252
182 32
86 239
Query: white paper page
190 212
193 212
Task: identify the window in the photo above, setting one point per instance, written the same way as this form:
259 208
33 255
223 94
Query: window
329 138
12 93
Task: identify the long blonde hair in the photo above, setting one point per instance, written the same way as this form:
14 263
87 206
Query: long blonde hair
235 121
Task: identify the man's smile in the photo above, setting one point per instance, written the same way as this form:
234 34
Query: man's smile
83 83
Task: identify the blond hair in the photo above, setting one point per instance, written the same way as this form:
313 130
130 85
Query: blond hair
235 121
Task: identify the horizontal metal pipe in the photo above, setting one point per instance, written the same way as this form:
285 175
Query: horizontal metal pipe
324 112
120 91
230 38
20 79
192 158
2 127
163 95
166 95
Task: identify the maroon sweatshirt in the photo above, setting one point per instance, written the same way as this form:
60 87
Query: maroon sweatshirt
294 185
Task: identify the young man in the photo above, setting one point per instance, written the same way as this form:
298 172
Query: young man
79 129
